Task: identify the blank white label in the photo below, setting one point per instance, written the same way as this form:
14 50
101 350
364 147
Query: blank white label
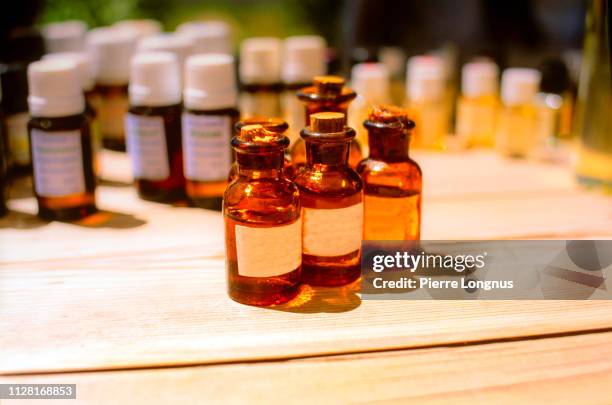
146 144
269 252
206 147
58 163
332 232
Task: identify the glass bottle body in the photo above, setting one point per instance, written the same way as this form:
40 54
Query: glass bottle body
392 184
113 106
331 194
18 143
64 181
207 154
262 232
514 134
261 100
476 118
154 144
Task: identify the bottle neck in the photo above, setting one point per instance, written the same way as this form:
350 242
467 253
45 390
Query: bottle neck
260 165
327 155
388 146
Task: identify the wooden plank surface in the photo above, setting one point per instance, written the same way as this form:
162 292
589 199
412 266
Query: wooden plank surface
142 284
562 370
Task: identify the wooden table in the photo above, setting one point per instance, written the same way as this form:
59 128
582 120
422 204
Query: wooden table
131 306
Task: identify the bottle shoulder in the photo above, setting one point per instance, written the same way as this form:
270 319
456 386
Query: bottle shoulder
343 182
405 172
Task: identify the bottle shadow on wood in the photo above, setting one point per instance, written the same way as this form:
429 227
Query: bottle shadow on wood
323 299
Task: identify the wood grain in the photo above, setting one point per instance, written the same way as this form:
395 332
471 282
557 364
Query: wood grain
564 370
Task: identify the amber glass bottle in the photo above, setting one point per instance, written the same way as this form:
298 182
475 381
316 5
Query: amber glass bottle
263 227
327 93
209 116
64 181
276 125
392 181
331 194
2 175
153 126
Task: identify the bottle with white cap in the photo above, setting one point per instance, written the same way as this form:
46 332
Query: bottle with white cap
112 50
180 46
210 97
260 77
371 82
477 106
64 181
153 126
303 58
207 36
65 36
426 101
139 27
86 68
515 132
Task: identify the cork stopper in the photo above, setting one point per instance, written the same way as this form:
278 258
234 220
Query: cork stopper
327 122
256 138
388 115
328 84
271 124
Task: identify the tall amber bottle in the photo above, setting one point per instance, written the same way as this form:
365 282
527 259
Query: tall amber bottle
327 93
331 194
209 116
392 181
262 222
153 126
64 182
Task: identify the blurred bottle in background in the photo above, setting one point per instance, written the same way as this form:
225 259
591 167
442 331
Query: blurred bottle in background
207 36
180 46
372 85
3 179
14 84
260 77
394 59
477 105
65 36
303 59
139 28
112 50
594 104
516 122
427 105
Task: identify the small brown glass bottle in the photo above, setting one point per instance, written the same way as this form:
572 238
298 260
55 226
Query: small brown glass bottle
271 124
263 226
153 127
209 116
2 174
327 93
331 194
392 181
64 182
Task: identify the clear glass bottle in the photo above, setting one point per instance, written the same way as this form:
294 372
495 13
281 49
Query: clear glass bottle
594 103
516 123
14 86
372 84
275 125
112 50
64 181
303 59
392 181
426 94
260 77
209 116
327 94
331 194
153 127
263 224
477 105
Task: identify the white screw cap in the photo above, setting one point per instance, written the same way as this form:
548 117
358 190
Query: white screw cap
154 80
55 89
519 85
303 58
66 36
140 28
260 60
371 81
84 64
479 79
210 82
180 46
425 78
207 36
112 50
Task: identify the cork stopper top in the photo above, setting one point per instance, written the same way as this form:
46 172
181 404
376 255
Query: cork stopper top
271 124
256 138
328 84
387 116
327 122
